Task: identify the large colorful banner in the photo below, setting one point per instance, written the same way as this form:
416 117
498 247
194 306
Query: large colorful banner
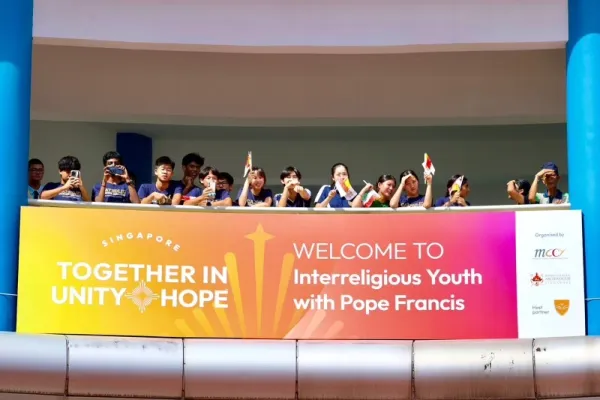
435 275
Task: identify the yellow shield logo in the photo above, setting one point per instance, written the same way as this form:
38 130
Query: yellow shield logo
562 306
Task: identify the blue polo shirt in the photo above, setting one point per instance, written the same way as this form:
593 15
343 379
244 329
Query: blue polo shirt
545 198
148 188
443 200
406 201
297 202
66 195
337 202
113 193
255 198
219 194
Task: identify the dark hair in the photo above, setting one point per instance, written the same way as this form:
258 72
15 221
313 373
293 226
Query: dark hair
453 179
227 176
524 185
260 172
192 158
69 163
35 161
410 172
384 178
334 167
204 172
164 160
288 171
110 155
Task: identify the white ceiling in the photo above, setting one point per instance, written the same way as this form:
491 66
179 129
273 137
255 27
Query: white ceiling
178 88
304 27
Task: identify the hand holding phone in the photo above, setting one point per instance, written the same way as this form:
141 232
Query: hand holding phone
116 171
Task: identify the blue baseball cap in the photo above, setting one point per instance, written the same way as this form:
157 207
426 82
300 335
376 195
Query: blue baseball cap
552 166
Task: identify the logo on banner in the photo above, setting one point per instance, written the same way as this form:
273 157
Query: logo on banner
538 279
142 296
561 306
550 254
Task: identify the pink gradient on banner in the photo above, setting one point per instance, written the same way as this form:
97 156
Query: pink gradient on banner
484 243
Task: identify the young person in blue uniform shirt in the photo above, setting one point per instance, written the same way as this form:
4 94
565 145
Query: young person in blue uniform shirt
36 175
518 191
115 188
409 182
328 195
254 193
293 195
70 188
191 164
225 182
164 191
206 196
550 177
456 198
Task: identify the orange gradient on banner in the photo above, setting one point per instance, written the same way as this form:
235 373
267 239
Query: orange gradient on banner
200 274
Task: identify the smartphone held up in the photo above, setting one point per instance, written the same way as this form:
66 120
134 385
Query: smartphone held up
116 171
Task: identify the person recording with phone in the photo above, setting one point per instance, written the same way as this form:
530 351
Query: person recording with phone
116 185
70 187
210 195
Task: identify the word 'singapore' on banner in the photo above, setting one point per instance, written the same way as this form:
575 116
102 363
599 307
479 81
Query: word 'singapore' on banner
376 281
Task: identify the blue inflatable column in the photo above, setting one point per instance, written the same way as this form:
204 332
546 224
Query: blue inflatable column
16 27
583 139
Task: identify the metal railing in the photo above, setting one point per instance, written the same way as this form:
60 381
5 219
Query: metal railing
289 370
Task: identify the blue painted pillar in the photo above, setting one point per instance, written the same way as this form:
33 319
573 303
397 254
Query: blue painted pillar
583 139
16 26
136 150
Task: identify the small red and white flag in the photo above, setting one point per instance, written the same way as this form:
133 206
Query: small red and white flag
428 166
248 166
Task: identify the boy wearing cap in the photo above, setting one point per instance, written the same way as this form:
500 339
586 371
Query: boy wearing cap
549 176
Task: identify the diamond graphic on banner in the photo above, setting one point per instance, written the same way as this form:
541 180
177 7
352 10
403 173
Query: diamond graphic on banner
562 306
142 296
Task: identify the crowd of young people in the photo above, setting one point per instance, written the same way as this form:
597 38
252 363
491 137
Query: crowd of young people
208 187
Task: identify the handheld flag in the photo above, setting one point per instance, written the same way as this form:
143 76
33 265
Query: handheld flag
428 166
457 185
248 166
369 198
345 189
